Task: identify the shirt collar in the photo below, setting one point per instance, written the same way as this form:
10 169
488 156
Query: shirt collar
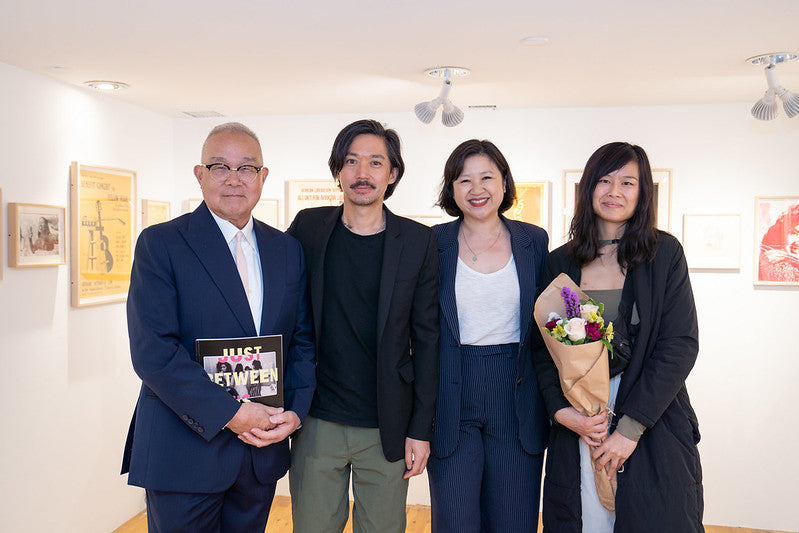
229 230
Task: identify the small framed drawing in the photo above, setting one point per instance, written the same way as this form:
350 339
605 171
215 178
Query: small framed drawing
36 235
154 212
777 240
301 194
712 241
662 197
103 220
267 210
428 220
192 204
532 204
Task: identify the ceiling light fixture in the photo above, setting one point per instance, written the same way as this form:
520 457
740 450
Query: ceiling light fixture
105 85
766 108
451 115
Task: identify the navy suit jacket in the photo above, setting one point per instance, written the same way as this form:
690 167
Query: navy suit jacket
529 246
185 286
407 321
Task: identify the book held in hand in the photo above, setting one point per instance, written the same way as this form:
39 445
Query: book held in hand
249 368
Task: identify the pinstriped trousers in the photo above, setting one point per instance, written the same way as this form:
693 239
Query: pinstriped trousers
489 484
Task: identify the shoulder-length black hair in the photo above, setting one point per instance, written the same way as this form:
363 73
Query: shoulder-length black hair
637 245
367 127
454 166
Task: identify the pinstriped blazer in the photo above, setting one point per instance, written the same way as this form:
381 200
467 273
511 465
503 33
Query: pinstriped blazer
529 247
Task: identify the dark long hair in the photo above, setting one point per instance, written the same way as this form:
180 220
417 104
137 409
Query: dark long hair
637 245
367 127
454 166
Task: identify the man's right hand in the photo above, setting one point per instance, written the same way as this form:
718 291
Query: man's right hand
252 415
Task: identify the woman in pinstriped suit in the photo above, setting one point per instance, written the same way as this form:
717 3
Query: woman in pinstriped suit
491 427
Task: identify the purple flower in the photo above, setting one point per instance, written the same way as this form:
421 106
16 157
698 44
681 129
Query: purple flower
572 302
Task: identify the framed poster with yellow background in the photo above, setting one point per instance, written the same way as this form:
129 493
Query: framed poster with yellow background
532 204
103 217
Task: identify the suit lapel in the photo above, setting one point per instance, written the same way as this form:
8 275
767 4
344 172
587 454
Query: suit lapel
523 254
448 263
205 238
273 258
392 253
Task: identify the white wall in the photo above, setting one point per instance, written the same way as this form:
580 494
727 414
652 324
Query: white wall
69 390
63 429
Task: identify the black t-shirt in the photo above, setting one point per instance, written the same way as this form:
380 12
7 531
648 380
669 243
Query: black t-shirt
346 389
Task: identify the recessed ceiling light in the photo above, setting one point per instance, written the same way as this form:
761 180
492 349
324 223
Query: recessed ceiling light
105 85
535 41
448 72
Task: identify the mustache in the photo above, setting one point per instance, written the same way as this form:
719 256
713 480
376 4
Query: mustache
362 183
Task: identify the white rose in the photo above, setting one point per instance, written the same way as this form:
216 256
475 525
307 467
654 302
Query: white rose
553 316
575 329
587 309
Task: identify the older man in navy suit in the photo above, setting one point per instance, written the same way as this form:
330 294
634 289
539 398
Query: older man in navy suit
209 463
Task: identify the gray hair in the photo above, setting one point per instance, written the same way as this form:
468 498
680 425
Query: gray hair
236 127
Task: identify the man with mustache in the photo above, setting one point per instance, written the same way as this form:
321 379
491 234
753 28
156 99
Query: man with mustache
373 279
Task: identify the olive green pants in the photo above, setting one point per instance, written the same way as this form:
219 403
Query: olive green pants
322 456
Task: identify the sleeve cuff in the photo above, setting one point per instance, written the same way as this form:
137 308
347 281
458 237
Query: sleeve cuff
630 428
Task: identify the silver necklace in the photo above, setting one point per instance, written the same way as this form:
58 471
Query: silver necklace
377 230
474 254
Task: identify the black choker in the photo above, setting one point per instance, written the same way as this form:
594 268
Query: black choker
609 241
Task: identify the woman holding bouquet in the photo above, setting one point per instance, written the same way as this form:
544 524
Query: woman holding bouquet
491 425
617 256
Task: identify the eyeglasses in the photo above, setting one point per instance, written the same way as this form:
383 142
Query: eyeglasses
221 172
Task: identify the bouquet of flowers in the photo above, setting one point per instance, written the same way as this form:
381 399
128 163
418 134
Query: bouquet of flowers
583 322
579 342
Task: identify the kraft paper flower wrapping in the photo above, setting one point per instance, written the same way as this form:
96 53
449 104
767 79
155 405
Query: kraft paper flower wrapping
582 369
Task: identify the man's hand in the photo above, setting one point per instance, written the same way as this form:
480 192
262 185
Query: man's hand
252 415
283 425
416 454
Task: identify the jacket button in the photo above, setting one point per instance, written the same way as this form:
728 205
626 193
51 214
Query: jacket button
190 421
200 429
185 418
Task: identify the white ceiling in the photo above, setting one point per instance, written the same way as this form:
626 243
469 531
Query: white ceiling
242 57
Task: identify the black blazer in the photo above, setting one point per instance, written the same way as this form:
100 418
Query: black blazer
529 246
407 320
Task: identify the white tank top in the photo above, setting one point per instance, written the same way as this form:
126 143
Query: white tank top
488 305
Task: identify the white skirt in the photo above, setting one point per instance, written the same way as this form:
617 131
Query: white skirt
596 519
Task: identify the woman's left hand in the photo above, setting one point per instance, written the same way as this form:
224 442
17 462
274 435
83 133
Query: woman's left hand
613 452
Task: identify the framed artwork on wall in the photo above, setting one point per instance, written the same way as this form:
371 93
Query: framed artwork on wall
37 235
267 210
2 262
712 241
103 220
662 181
154 212
532 204
776 240
301 194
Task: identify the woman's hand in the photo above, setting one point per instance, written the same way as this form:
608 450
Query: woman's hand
613 452
592 429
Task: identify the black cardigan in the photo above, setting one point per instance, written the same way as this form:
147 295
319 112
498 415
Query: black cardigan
660 488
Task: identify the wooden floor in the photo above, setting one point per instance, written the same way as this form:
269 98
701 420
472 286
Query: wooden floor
418 521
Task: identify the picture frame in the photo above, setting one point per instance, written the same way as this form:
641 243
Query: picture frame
712 241
103 222
662 182
267 210
155 212
2 232
776 246
429 219
532 205
302 194
37 235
